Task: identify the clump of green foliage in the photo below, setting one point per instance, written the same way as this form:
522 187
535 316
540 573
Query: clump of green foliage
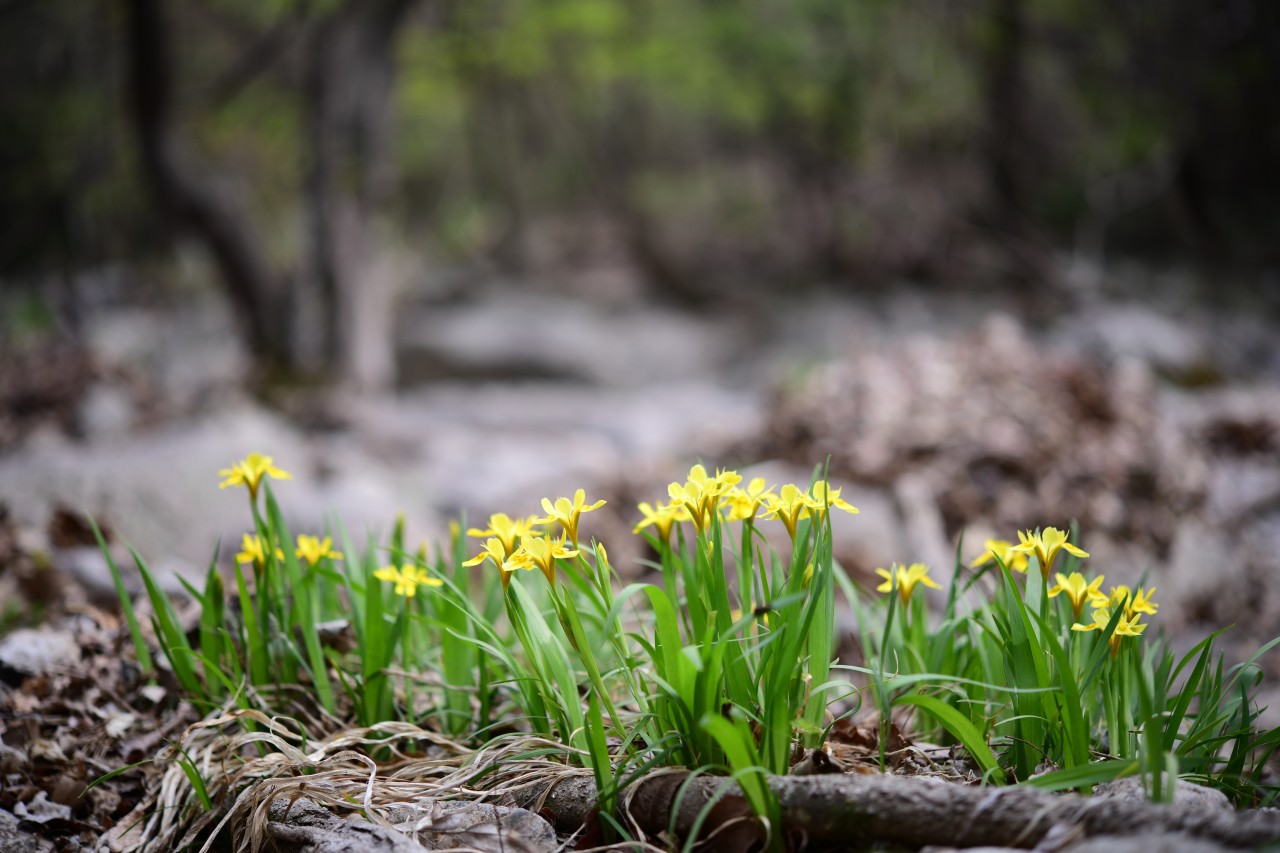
727 664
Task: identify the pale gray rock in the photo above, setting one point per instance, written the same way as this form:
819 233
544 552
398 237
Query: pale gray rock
479 826
41 809
35 651
559 338
1135 331
15 839
107 411
1186 796
1207 573
302 826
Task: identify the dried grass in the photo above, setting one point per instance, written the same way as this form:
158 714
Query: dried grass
374 771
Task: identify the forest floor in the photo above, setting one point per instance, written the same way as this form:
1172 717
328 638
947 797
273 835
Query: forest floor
1139 410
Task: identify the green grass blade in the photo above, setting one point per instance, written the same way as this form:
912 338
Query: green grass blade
255 643
173 641
1084 776
126 603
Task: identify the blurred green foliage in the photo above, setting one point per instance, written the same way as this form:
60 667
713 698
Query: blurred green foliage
791 135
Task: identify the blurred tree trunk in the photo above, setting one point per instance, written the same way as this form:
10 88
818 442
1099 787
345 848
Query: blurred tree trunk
183 190
333 315
1009 148
350 84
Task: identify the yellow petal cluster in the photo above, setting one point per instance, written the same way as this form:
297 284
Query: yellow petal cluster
1077 589
1014 561
1128 626
508 564
793 504
543 551
248 472
1133 602
905 580
825 496
741 504
566 512
700 495
661 516
789 506
535 552
407 578
313 549
1045 545
508 530
254 550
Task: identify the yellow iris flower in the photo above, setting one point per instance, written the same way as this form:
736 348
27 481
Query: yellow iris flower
1128 626
700 494
662 516
543 551
495 550
507 529
1045 545
313 549
565 512
253 550
249 472
905 580
1014 561
1138 601
741 504
1076 589
824 496
407 578
789 507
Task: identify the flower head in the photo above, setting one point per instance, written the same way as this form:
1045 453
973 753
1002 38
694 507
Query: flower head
566 512
1127 626
313 549
1132 601
789 506
905 579
507 529
661 516
1142 602
407 578
741 504
1076 589
1015 561
700 494
824 496
249 472
254 550
508 564
543 551
1045 545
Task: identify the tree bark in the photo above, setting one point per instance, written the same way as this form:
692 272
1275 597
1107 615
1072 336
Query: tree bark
1010 152
193 201
349 91
335 317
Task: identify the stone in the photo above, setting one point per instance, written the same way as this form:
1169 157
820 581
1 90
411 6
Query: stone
42 809
15 839
1186 796
478 826
1133 331
105 412
36 651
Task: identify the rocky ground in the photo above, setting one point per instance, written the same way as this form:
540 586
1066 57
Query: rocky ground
1137 409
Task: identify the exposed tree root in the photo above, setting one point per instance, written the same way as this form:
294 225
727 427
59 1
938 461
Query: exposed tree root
849 811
